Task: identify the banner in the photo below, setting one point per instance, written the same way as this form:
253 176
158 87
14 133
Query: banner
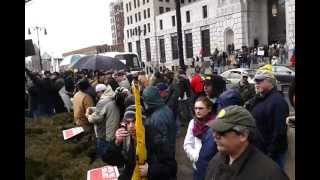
141 151
69 133
103 173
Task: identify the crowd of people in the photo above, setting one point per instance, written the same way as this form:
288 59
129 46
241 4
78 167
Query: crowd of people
236 133
246 57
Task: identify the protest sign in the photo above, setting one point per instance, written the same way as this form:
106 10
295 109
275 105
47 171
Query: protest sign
103 173
69 133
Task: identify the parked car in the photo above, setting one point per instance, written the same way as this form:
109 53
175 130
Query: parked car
284 76
283 73
233 76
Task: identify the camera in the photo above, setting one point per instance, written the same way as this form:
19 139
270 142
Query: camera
123 125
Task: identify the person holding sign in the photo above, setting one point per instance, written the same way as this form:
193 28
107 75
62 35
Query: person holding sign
160 162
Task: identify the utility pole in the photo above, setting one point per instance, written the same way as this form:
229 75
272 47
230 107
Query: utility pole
180 44
37 28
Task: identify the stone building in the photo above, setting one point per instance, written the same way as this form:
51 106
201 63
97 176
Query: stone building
206 25
117 22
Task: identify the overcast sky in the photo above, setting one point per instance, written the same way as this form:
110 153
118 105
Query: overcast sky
70 24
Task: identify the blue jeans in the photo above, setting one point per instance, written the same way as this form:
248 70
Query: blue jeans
102 147
45 110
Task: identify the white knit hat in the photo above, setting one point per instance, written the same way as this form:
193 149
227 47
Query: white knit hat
100 87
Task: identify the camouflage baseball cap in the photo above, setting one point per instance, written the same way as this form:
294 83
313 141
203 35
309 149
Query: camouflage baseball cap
232 116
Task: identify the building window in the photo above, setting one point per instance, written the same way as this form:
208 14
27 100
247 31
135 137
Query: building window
174 47
148 12
182 1
190 0
148 27
136 31
144 1
162 51
139 30
135 4
135 16
148 54
138 48
127 7
205 42
204 11
167 9
131 19
138 3
173 20
161 10
188 16
147 1
167 1
139 14
130 47
161 27
144 14
144 29
128 20
189 48
128 33
130 6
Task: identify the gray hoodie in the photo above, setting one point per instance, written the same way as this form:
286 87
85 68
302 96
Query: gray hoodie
106 116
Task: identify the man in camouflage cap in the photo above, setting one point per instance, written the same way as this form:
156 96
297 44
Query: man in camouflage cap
238 158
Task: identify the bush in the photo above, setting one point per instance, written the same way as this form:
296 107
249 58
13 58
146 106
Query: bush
48 156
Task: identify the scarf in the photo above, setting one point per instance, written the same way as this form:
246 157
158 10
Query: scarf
200 125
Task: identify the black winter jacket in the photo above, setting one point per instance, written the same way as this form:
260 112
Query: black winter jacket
251 165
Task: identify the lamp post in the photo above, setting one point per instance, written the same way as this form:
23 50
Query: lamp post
180 45
37 29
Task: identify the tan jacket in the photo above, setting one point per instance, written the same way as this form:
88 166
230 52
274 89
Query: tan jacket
81 101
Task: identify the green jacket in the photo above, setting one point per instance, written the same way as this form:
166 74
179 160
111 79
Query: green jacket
246 92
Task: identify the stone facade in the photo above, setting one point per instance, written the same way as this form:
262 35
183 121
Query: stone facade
229 21
117 21
290 25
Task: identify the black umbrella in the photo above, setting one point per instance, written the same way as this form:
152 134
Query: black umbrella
97 62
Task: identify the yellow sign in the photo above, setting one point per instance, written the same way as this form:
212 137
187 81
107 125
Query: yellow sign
141 151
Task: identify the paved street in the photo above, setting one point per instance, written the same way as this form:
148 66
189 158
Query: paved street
184 164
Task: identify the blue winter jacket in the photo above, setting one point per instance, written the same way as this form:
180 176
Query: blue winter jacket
270 112
207 151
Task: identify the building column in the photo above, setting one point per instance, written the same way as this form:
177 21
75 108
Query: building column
290 26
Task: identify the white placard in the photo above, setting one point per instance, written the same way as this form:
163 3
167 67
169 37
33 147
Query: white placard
261 53
69 133
103 173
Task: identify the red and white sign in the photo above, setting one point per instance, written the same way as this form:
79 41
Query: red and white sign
69 133
103 173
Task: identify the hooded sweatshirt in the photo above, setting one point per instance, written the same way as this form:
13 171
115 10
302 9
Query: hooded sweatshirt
159 116
106 116
160 136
